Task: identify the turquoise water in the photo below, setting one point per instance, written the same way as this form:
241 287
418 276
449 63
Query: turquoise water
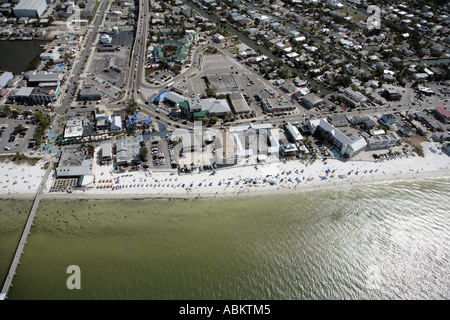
383 241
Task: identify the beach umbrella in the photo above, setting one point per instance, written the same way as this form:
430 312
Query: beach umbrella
229 182
210 184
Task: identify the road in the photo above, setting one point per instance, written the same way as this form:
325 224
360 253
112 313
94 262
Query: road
80 62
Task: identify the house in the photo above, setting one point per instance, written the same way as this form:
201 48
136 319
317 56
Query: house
218 38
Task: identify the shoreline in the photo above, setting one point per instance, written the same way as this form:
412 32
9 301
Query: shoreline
291 177
254 192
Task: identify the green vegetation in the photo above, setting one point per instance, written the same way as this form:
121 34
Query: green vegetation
131 107
209 92
97 4
44 122
34 64
143 153
19 158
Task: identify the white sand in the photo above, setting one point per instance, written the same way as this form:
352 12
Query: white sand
20 179
163 184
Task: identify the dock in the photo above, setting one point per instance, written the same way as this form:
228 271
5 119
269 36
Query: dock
23 240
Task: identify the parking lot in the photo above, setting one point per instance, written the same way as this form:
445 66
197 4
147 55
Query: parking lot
11 140
158 154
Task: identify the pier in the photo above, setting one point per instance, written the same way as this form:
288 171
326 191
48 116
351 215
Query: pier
25 233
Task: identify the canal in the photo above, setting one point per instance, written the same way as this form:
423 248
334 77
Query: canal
16 54
256 47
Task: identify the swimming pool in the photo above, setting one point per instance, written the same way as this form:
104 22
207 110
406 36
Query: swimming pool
336 154
59 66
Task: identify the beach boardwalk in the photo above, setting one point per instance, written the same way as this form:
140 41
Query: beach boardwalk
26 232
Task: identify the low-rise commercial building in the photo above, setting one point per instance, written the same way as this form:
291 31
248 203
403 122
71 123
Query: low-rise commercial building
30 8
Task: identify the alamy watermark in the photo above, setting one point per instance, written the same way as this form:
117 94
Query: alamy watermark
374 20
74 280
73 23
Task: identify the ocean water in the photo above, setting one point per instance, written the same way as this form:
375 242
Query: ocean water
382 241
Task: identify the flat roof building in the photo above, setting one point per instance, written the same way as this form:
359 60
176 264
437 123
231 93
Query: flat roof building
238 103
442 115
30 8
223 82
311 100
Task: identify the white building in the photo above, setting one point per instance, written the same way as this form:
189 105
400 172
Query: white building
104 38
384 141
74 129
116 124
293 131
30 8
346 146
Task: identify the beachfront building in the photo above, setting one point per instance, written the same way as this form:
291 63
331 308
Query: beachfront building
225 149
127 153
347 146
255 140
382 141
23 94
106 152
74 169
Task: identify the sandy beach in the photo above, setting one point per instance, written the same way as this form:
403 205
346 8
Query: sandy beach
22 181
288 177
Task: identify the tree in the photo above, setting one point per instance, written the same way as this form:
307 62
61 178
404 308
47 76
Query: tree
131 106
143 153
6 110
20 128
209 92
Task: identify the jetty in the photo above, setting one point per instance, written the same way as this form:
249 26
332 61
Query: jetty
26 231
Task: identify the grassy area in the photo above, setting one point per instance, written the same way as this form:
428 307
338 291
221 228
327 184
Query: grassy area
233 50
415 142
19 158
97 4
356 17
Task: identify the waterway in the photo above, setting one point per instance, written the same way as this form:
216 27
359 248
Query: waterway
16 54
256 47
381 241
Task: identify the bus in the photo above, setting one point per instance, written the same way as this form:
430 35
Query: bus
170 84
